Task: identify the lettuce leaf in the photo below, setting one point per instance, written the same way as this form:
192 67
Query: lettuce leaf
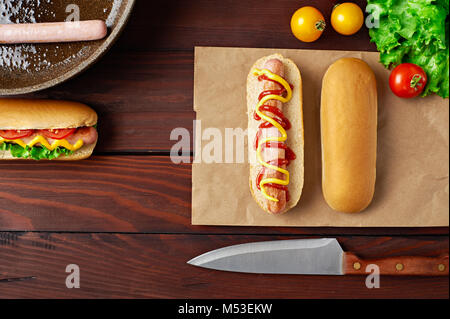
415 31
36 152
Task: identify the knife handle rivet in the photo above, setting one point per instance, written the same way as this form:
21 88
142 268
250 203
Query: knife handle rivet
399 267
441 267
357 266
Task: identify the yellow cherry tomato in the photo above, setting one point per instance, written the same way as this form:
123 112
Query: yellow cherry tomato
347 18
307 24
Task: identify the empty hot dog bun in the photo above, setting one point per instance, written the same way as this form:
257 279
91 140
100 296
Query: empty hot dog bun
349 135
46 129
293 111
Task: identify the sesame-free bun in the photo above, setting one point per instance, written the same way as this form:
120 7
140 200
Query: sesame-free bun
25 114
349 135
293 110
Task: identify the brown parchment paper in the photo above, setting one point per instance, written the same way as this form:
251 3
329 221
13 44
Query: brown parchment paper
412 186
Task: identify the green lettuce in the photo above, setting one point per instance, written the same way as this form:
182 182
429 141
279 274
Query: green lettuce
36 152
414 31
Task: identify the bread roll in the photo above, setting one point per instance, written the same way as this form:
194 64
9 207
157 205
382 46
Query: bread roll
349 135
27 114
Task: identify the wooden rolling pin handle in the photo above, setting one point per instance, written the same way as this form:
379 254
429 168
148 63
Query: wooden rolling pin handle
397 266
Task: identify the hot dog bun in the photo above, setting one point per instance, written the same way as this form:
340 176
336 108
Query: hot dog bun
24 114
349 135
27 114
294 112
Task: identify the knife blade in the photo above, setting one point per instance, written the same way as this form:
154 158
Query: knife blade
323 256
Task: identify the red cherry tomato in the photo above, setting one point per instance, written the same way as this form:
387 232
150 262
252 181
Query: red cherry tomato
15 134
407 80
58 134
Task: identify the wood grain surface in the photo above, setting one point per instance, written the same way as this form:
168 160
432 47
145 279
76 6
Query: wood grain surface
145 194
139 100
154 266
124 215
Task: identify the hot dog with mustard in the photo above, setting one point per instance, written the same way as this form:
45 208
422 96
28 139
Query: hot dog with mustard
276 137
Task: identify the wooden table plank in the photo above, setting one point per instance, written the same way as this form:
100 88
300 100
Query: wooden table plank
154 266
178 25
145 194
139 100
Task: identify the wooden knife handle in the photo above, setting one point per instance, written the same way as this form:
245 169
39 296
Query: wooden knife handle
398 266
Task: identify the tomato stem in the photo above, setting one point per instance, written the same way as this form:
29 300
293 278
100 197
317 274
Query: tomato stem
415 81
320 25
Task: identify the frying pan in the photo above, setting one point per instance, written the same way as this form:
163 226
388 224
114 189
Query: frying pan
26 68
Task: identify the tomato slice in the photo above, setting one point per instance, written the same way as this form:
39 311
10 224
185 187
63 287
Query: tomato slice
58 134
15 134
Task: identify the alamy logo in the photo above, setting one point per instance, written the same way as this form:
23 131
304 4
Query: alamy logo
373 17
373 279
211 145
73 280
74 13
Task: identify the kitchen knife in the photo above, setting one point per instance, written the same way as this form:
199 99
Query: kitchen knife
312 257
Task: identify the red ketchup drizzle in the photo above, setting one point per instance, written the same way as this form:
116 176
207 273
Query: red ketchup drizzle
284 122
280 119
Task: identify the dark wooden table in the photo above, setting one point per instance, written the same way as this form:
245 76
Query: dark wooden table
123 216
